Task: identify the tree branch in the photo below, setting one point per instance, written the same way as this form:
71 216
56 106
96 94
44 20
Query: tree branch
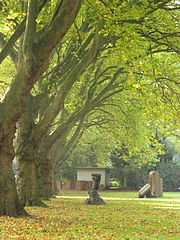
16 35
12 52
69 80
30 29
58 27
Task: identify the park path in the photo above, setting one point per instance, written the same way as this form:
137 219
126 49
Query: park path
171 206
131 199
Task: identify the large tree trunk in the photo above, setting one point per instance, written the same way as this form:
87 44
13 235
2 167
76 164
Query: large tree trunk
27 159
34 174
9 201
27 175
33 167
45 176
9 113
54 182
31 66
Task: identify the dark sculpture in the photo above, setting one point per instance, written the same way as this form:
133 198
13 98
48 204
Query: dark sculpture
96 181
94 197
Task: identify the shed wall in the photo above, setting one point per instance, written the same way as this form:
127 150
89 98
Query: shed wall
85 175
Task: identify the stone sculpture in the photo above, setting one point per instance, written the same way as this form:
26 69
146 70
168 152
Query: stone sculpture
154 188
94 197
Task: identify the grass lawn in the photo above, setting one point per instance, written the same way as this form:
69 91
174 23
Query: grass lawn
118 194
67 218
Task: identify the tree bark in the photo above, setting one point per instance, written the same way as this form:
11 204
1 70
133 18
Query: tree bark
27 178
34 173
27 158
45 177
9 202
54 184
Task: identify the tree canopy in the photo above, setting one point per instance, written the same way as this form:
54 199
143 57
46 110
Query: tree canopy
112 67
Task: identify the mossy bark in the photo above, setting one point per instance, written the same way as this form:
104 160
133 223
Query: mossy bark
54 185
27 176
10 204
45 177
33 167
34 179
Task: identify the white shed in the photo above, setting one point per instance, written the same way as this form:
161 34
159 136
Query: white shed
85 174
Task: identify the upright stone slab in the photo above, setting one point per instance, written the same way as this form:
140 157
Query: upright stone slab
94 197
161 187
155 184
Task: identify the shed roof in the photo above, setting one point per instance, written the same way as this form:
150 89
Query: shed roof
94 168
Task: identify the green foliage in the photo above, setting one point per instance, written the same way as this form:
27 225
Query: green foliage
93 151
170 172
13 12
169 165
6 75
134 177
128 173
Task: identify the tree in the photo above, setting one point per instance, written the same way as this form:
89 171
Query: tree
168 166
34 140
33 54
135 26
31 131
144 68
39 141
